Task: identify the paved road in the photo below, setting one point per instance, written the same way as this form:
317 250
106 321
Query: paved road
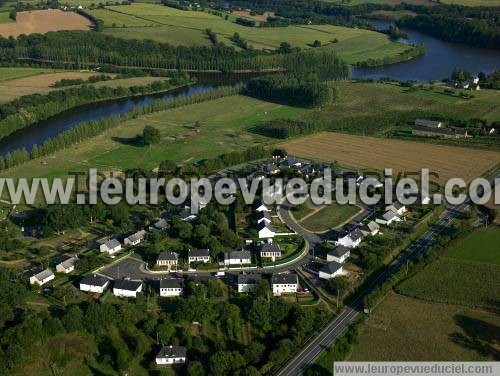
307 356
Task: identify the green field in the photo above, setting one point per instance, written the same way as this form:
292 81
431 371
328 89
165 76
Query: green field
164 24
406 329
224 124
13 73
4 17
329 217
482 246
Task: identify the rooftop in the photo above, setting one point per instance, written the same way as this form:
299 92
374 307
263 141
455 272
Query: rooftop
285 278
94 280
171 283
248 279
172 352
125 284
163 256
331 267
339 251
195 252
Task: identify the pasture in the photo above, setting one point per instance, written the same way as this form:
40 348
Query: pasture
329 217
481 246
406 329
43 21
401 156
224 124
178 27
13 73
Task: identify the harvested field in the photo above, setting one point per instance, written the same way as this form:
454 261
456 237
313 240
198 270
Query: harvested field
257 17
402 156
43 21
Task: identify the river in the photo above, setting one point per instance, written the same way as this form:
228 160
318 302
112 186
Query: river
438 62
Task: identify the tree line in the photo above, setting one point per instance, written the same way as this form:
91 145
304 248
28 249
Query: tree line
93 128
285 128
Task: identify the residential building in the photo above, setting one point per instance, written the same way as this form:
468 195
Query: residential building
285 283
397 208
265 230
168 259
352 239
292 162
270 250
388 218
338 254
136 238
371 228
67 265
443 132
198 255
159 226
263 216
247 282
270 168
126 288
171 355
237 258
330 270
171 287
259 205
94 283
428 123
111 246
42 277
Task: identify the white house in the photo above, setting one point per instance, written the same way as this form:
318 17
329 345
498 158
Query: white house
171 287
388 218
198 255
265 230
127 289
285 283
263 216
42 277
371 228
111 246
67 265
270 250
237 258
136 238
94 283
247 282
352 239
168 259
259 205
330 270
338 254
397 208
171 355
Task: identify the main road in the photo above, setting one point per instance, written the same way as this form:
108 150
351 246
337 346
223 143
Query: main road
336 327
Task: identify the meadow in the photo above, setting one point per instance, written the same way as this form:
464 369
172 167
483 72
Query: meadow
13 73
406 329
174 26
481 246
224 123
402 156
329 217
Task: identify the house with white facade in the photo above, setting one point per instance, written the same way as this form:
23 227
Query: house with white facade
352 239
41 278
237 258
259 205
198 255
270 250
171 287
330 270
247 282
371 228
263 216
67 264
388 218
94 283
111 247
124 288
397 208
338 254
171 355
284 283
168 259
265 230
136 238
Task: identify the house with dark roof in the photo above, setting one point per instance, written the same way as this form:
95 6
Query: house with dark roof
270 168
259 205
338 254
352 239
247 281
284 283
171 355
171 287
94 283
125 288
168 259
41 278
198 255
159 226
262 216
270 250
237 258
330 270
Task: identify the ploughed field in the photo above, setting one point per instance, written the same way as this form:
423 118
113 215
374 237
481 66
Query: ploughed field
401 156
43 21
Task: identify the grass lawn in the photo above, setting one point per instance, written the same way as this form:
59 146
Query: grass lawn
329 217
13 73
174 26
5 18
481 246
224 124
407 329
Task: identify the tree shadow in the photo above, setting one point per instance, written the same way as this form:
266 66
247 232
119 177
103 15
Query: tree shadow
479 336
130 141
